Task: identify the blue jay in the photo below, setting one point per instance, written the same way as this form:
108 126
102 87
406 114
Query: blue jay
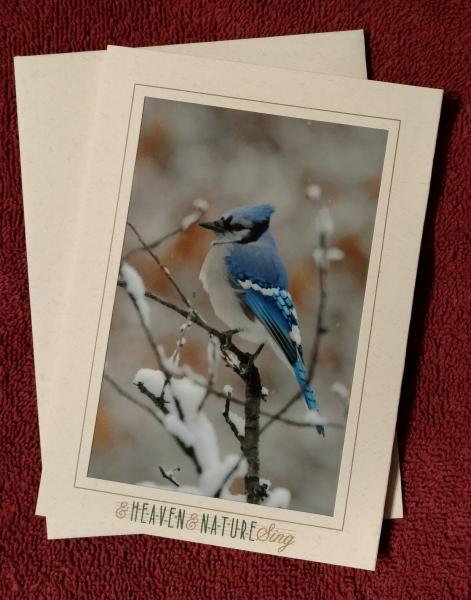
247 284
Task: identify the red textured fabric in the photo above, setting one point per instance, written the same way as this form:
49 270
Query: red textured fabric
423 556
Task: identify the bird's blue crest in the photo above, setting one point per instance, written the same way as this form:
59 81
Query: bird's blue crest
256 214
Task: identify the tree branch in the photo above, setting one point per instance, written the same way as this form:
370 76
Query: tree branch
250 443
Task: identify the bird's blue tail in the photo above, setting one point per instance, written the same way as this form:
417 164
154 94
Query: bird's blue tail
301 377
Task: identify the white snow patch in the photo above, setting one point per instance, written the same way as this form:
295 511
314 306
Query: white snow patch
177 428
190 220
238 421
232 360
136 288
151 379
189 394
227 389
335 254
278 498
206 442
212 477
340 390
323 257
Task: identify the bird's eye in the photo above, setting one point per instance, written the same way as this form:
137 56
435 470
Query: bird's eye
237 227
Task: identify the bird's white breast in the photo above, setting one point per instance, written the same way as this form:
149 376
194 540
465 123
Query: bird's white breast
223 298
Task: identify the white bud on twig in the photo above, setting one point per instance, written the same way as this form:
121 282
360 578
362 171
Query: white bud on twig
324 222
340 390
201 204
313 192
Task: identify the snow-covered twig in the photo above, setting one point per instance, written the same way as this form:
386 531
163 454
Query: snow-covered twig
195 432
188 451
136 289
138 305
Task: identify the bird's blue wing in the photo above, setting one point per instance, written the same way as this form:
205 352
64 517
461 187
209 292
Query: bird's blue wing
276 313
259 277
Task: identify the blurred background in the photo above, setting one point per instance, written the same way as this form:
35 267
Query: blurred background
316 175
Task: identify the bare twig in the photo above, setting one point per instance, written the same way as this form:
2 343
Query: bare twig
162 267
320 326
212 362
227 417
155 244
199 209
168 475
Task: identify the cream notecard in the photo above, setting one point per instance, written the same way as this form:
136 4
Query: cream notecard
266 154
55 96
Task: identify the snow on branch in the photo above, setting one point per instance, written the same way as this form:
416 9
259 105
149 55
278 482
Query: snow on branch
135 288
195 432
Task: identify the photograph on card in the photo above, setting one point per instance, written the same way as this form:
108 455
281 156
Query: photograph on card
238 305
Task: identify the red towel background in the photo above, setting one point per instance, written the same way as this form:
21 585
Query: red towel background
423 556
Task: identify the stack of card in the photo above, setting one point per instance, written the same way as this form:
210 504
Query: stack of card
222 247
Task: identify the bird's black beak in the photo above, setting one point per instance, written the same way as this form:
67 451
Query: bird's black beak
217 226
